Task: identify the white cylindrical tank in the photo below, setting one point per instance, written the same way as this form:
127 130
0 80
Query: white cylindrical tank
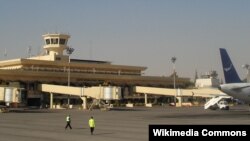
8 95
107 95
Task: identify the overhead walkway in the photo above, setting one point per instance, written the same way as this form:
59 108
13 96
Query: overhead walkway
100 92
114 93
178 93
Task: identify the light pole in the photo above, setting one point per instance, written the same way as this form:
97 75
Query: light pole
247 67
173 59
69 51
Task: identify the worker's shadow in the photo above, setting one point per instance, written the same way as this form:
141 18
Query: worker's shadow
81 128
103 133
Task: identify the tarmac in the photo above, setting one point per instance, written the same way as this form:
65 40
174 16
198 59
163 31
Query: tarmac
118 124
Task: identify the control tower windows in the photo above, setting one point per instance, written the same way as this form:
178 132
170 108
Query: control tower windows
47 41
54 41
62 41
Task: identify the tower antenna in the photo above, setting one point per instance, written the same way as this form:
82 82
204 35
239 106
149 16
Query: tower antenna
5 53
29 51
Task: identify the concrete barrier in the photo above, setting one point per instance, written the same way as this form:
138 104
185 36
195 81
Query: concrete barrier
130 105
58 106
188 104
149 105
70 106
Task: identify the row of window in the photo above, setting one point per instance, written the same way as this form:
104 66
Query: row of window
55 41
80 71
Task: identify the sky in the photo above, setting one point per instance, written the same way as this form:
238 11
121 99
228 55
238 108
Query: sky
134 32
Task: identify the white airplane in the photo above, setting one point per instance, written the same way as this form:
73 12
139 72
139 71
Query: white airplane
234 86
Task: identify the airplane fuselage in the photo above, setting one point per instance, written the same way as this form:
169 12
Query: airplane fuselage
239 91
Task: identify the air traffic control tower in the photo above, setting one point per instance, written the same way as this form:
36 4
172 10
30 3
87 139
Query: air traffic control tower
52 68
55 47
55 43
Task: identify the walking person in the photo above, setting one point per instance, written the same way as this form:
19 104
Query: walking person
68 120
91 125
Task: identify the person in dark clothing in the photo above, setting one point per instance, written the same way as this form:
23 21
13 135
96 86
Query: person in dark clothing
68 120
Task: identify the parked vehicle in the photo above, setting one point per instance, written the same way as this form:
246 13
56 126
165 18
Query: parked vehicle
223 105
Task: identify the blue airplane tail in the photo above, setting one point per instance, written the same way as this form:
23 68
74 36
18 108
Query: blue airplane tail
231 75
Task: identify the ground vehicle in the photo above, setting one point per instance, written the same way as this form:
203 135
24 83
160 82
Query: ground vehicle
223 105
218 102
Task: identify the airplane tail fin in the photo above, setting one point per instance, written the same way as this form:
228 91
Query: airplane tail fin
231 75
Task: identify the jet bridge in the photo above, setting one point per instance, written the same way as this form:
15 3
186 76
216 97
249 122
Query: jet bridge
178 93
99 92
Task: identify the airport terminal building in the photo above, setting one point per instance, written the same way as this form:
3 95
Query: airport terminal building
56 67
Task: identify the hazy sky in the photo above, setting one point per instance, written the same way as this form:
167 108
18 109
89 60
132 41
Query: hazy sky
134 32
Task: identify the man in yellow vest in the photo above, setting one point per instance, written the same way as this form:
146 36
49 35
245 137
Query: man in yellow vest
91 125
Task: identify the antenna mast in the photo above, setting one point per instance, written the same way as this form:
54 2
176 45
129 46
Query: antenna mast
5 53
29 51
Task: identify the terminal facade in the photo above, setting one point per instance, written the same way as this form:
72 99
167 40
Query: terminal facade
57 67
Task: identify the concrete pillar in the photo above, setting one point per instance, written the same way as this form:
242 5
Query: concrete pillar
68 100
146 99
51 101
84 104
179 104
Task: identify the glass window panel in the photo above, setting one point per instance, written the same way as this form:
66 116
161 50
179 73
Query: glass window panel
47 41
62 41
54 41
